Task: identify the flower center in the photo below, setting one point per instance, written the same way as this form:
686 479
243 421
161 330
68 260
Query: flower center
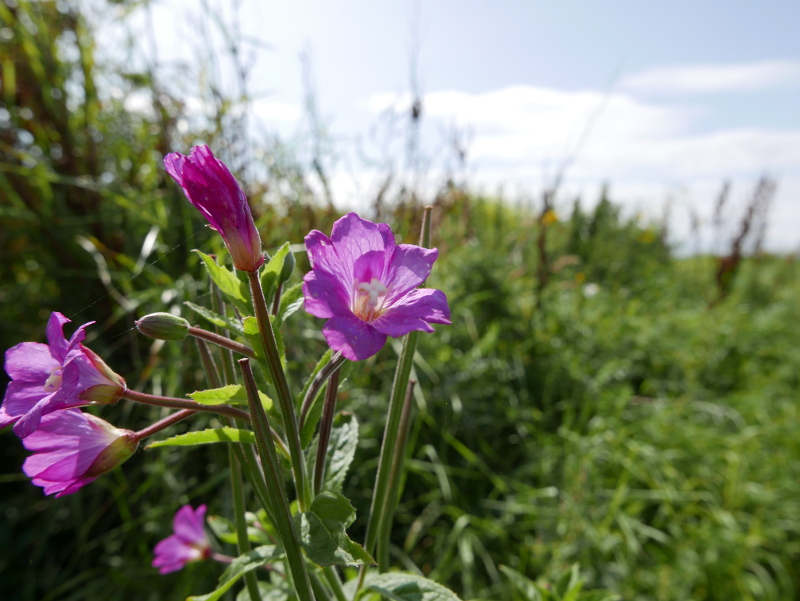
53 383
368 300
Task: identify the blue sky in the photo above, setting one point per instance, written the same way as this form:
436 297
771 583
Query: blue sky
684 94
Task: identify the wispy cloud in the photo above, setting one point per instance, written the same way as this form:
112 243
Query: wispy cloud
701 79
647 150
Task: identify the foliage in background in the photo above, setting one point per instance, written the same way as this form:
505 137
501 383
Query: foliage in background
608 419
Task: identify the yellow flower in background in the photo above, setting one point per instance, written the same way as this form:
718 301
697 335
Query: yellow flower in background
647 236
550 217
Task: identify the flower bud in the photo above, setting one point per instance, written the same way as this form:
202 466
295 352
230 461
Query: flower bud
163 326
288 267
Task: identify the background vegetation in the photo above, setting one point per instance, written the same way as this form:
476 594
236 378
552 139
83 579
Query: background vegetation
597 401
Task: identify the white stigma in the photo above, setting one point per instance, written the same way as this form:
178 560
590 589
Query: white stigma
53 383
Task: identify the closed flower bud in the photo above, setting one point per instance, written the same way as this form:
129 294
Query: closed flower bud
163 326
288 267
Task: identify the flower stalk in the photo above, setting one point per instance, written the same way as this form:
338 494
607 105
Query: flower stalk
285 403
223 341
380 496
275 488
395 476
164 401
325 425
313 390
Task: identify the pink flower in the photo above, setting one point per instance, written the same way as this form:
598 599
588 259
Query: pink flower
365 285
58 375
72 448
211 188
189 543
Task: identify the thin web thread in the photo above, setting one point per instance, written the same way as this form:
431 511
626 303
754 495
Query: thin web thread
136 275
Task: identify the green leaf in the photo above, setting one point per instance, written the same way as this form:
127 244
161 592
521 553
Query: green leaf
322 532
233 394
401 586
527 587
291 301
222 321
271 273
254 339
238 568
223 529
235 290
341 450
212 435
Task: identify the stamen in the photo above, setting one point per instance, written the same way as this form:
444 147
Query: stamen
367 307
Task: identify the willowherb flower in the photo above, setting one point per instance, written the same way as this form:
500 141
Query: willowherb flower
188 543
72 448
210 186
365 284
53 376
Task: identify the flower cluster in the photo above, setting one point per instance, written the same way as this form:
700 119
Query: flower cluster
48 383
366 285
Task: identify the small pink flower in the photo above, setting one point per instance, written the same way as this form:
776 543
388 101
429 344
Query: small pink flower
366 286
188 543
53 376
210 186
72 448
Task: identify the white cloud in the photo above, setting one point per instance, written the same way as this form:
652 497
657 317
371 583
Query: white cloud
647 151
700 79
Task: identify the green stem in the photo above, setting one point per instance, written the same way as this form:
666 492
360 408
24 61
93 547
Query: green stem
282 390
243 542
395 476
212 373
380 494
228 368
390 434
319 589
336 585
275 487
325 425
337 360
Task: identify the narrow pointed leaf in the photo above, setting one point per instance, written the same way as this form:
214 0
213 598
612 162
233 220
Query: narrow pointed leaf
232 394
210 436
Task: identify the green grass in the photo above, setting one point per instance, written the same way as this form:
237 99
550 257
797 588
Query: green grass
613 416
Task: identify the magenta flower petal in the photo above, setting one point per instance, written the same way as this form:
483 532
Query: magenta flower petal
353 237
72 448
365 284
58 375
212 189
415 311
30 362
410 267
325 296
188 543
355 338
188 524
